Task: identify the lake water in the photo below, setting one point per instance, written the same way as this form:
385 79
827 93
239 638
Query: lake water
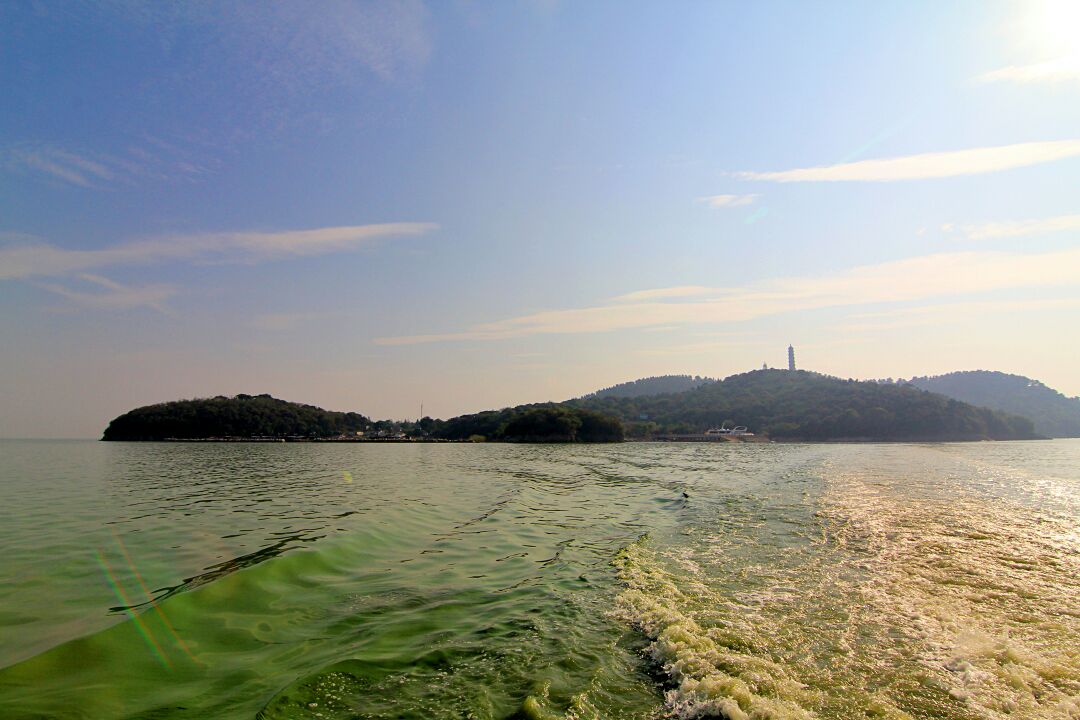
522 581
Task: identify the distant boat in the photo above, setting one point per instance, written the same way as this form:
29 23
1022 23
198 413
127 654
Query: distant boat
725 431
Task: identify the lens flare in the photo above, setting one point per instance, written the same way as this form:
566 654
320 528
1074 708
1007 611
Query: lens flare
149 596
126 603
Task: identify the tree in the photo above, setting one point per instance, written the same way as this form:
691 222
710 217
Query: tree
543 424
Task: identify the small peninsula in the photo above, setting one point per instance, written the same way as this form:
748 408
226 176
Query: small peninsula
242 416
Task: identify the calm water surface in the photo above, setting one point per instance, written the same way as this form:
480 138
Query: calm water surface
514 581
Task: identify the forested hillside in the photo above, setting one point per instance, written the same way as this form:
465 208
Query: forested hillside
547 422
1054 414
658 385
809 406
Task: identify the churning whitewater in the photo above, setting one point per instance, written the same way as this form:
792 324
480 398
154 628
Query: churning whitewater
910 582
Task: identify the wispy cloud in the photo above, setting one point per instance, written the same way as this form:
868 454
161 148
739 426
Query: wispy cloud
334 38
973 161
151 159
1018 228
949 313
932 276
729 201
296 47
1063 69
41 259
113 296
256 68
59 164
682 291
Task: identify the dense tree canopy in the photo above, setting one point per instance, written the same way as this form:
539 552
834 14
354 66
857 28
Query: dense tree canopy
1054 414
659 385
240 416
805 405
533 423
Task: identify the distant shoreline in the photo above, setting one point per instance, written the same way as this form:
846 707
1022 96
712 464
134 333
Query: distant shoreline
296 440
783 405
759 440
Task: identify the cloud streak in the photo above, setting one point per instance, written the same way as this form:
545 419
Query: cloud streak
949 313
152 159
932 276
291 48
974 161
114 296
44 260
60 165
1064 69
729 201
682 291
1019 228
311 42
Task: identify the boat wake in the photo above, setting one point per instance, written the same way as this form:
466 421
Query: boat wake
711 675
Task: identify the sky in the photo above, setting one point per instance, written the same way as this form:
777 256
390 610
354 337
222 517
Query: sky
466 205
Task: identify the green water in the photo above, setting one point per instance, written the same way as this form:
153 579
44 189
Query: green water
513 581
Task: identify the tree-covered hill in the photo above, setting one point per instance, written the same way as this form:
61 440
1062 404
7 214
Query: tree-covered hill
240 416
1054 414
548 422
809 406
659 385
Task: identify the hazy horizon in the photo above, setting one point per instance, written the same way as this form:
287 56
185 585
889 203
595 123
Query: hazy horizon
422 408
372 206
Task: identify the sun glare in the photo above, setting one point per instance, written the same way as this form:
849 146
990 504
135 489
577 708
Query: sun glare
1054 26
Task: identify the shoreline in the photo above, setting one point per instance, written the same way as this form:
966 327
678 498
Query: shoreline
758 440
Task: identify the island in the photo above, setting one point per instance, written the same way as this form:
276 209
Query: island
251 417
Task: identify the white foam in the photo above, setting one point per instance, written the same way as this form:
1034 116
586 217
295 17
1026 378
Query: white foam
712 680
980 587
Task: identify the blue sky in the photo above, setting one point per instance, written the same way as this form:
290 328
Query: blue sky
367 206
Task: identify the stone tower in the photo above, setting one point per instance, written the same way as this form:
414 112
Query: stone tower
790 357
